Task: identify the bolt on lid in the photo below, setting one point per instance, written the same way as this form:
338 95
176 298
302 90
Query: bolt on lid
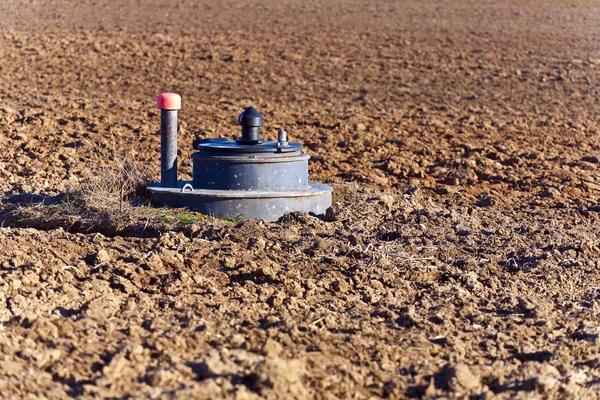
168 101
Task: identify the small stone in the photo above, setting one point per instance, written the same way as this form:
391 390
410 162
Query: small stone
167 241
525 305
237 340
272 348
229 262
577 377
361 127
487 201
30 279
550 192
103 307
211 366
15 284
44 329
101 257
283 377
430 389
162 378
451 180
270 271
457 377
545 384
550 370
256 244
193 230
154 262
136 353
97 238
276 299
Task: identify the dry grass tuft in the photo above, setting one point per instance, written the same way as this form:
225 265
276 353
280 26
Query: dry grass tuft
112 200
111 189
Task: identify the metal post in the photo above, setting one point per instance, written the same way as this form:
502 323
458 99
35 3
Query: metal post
168 103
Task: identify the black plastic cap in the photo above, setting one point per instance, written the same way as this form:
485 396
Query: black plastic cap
250 117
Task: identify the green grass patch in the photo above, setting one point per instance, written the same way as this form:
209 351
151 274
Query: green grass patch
182 217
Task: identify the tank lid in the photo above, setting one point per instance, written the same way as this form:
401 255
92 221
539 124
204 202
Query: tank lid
228 146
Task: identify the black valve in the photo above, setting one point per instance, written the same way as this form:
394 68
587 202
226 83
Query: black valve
251 121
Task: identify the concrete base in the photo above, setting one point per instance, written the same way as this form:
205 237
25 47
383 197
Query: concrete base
267 205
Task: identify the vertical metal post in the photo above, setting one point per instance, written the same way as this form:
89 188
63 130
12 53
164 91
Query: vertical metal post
168 103
168 148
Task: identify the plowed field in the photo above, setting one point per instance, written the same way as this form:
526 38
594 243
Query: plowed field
462 253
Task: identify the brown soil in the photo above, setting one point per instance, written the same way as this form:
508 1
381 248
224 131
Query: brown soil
461 256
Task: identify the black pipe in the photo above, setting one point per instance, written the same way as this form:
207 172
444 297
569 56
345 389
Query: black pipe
251 121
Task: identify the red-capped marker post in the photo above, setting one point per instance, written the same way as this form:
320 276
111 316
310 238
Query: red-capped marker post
168 103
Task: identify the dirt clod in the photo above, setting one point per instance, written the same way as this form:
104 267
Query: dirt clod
279 378
458 377
101 257
487 201
272 348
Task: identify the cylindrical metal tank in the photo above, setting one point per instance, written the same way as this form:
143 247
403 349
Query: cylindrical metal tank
248 177
219 170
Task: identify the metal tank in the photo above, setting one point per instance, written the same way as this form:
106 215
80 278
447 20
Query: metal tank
244 178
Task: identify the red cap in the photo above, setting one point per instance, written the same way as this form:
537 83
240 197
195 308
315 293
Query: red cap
168 101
